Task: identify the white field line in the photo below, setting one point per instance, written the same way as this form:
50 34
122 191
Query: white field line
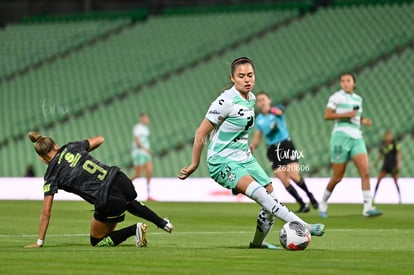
208 232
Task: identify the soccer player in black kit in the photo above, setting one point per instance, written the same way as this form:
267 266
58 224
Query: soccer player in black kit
390 151
112 193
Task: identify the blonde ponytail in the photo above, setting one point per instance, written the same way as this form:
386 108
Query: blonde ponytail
42 144
34 136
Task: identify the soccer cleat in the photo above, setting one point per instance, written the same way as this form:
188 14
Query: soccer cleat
168 227
323 214
317 229
323 209
264 246
373 212
141 235
304 208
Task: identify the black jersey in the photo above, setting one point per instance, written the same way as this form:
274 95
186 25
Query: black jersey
75 171
390 153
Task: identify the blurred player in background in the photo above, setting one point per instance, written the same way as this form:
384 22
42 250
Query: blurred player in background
30 171
281 152
345 107
141 152
73 169
391 152
228 123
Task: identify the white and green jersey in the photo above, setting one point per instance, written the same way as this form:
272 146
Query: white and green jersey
142 132
343 102
233 116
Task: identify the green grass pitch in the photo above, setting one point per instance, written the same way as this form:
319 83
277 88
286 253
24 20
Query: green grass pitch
210 238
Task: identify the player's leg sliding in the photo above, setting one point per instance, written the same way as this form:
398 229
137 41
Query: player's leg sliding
272 205
140 210
116 237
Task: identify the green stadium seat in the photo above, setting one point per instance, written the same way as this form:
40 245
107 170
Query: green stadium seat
289 61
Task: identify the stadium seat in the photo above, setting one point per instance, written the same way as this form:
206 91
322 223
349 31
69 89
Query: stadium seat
290 61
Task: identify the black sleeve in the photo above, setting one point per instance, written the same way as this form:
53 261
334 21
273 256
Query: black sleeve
50 188
82 145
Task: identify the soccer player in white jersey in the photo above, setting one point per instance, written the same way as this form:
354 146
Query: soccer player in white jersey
228 122
141 152
345 107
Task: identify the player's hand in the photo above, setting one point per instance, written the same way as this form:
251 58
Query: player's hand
276 111
185 172
35 245
253 147
366 121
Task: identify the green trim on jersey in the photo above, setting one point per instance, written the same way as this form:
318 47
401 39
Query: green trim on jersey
342 102
233 116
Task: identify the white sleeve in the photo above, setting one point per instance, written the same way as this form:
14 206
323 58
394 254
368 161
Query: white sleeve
219 110
137 131
332 102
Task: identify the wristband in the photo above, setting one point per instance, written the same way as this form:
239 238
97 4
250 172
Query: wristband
39 242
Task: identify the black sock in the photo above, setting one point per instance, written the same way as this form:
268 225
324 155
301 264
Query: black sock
121 235
116 237
295 194
301 183
140 210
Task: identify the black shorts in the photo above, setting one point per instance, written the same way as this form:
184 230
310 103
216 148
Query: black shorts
390 168
122 191
282 153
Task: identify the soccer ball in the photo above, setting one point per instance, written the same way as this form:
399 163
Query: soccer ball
294 236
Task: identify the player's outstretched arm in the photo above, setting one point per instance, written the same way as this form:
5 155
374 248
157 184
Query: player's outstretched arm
200 137
44 221
94 142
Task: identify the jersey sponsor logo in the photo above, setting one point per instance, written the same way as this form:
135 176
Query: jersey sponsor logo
214 112
46 187
69 157
61 156
72 159
250 122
